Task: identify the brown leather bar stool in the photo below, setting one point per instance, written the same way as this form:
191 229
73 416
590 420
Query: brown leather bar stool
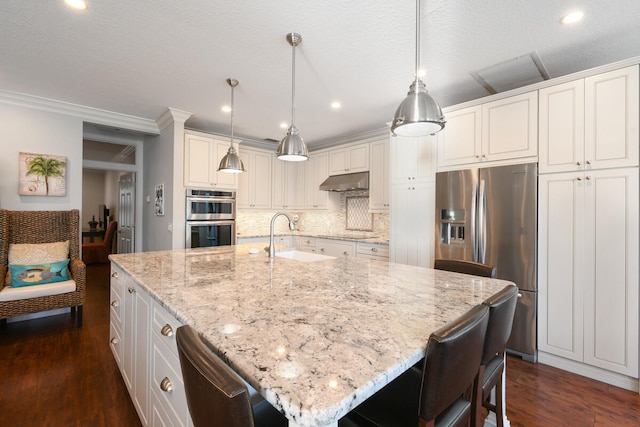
466 267
502 307
440 394
216 396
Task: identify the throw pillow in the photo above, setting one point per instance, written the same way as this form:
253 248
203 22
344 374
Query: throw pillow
36 254
28 275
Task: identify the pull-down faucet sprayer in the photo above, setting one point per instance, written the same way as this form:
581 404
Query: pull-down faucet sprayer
272 246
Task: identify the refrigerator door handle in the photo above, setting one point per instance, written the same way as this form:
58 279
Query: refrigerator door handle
482 223
474 210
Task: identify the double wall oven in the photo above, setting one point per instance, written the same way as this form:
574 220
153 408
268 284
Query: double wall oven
211 218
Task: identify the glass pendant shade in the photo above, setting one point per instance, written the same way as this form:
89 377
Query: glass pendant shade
419 114
231 162
292 147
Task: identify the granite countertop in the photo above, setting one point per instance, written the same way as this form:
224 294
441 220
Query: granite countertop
314 338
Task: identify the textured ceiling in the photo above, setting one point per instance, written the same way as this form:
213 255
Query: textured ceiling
140 57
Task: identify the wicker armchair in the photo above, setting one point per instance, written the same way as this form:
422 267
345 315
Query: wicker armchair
43 227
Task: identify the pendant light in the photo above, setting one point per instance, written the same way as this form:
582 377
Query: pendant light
292 147
231 162
419 114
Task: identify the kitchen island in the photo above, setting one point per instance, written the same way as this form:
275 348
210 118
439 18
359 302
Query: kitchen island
314 338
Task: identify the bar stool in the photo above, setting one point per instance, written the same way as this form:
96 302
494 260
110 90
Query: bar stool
502 307
440 394
215 394
466 267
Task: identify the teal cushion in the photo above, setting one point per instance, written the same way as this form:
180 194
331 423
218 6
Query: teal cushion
27 275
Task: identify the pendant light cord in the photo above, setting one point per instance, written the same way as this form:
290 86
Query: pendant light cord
233 108
293 84
417 40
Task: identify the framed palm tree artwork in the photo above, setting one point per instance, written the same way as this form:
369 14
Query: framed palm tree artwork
42 175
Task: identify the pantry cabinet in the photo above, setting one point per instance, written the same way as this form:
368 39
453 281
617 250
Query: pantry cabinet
413 158
505 129
590 123
202 155
588 268
379 176
354 158
254 185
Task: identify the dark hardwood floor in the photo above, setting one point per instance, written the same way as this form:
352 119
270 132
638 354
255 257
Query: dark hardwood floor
54 374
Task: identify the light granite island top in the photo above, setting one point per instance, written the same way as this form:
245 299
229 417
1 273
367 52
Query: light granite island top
314 338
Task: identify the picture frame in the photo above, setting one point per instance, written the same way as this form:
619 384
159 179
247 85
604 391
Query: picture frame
159 199
42 175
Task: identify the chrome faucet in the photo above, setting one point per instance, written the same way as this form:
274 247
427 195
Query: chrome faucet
272 246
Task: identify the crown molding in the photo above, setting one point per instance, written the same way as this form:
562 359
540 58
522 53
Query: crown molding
172 115
87 114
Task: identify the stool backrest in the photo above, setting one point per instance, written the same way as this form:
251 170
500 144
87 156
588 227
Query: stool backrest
466 267
502 307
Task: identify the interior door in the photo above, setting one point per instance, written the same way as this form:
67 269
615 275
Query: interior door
126 214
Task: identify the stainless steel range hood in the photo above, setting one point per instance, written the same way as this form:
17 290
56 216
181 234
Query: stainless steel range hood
346 182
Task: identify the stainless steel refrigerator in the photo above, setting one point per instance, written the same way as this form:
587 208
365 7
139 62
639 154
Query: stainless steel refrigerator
489 215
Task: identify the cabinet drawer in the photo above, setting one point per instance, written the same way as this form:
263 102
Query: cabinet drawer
115 303
307 244
115 342
336 248
164 327
373 251
166 367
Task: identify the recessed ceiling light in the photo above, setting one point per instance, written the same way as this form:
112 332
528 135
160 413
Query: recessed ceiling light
335 105
226 108
572 17
76 4
284 125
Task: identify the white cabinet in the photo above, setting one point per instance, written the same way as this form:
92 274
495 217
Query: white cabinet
590 123
412 159
379 176
372 251
349 159
411 224
460 142
135 309
254 186
202 155
412 200
499 130
116 317
335 248
168 400
288 179
316 170
588 268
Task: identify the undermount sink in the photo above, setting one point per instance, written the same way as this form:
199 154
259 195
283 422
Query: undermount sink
303 256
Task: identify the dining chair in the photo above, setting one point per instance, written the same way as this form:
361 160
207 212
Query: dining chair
439 394
215 393
502 307
466 267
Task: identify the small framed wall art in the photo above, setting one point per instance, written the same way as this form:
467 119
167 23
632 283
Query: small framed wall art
159 199
42 175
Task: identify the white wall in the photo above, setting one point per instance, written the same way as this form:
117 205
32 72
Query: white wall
29 130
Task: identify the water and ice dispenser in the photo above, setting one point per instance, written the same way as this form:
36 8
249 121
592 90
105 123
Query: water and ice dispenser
452 228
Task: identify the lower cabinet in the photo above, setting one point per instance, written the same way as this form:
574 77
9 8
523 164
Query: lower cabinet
335 248
143 343
588 271
372 251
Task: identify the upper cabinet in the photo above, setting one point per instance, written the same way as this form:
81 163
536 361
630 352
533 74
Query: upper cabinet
590 123
500 130
202 155
316 170
288 178
379 176
254 186
413 158
349 159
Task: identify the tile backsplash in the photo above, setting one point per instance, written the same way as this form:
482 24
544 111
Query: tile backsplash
256 223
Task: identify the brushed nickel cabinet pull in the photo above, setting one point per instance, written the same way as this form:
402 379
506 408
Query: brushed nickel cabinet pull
166 385
114 274
167 331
